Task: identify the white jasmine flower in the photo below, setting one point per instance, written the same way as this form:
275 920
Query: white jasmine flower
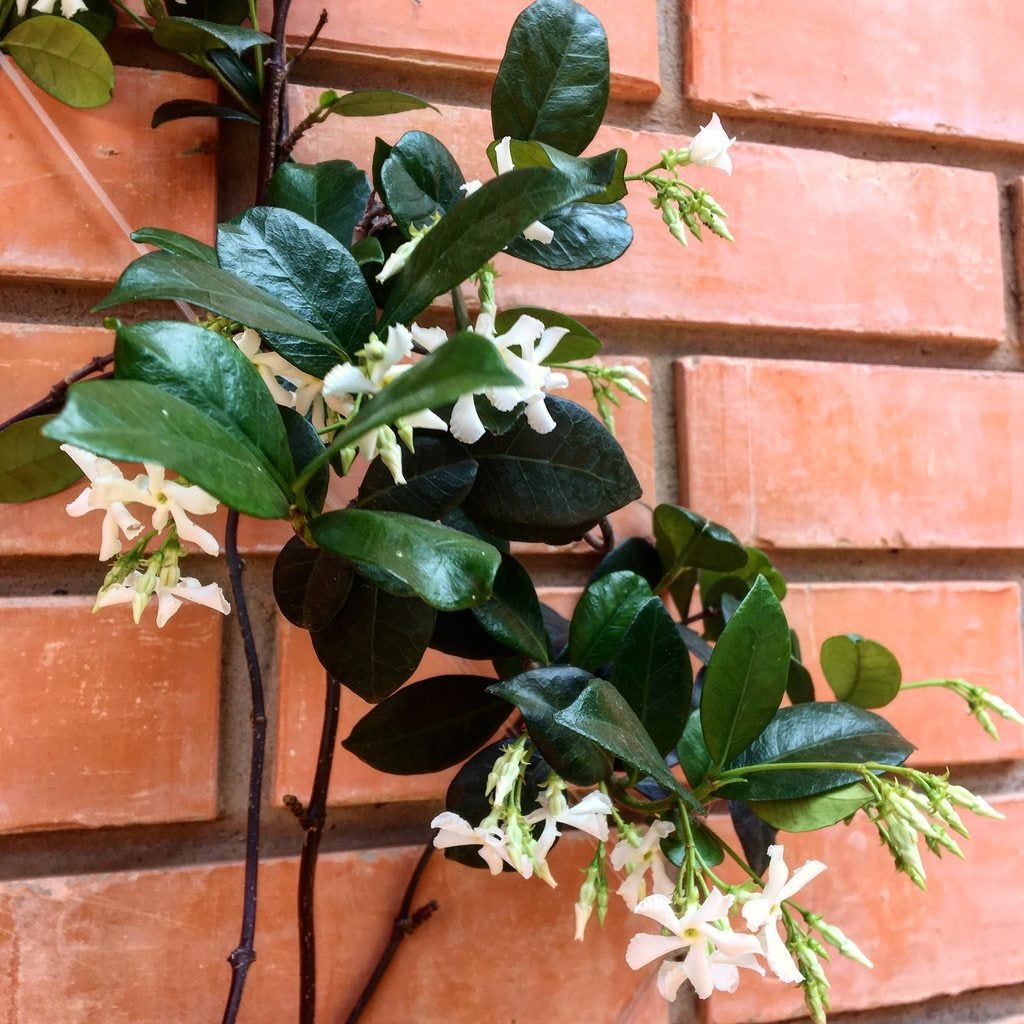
714 953
456 831
710 146
173 500
397 260
589 815
637 860
169 598
68 8
108 492
535 232
305 395
764 912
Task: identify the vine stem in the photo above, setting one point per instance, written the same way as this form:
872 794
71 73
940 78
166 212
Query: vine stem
55 396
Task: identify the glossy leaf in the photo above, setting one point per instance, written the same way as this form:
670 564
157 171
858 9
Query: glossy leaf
368 250
755 835
860 672
540 694
707 844
520 472
310 585
331 194
420 179
653 672
553 81
603 615
372 102
31 465
177 244
685 538
428 726
180 110
634 554
746 676
99 17
308 271
799 685
63 58
128 419
585 236
512 615
605 170
716 587
805 814
692 752
579 343
196 35
446 568
815 733
306 445
459 634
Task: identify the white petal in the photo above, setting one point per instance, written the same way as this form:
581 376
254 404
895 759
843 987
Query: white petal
248 342
193 533
632 889
110 539
733 945
120 593
503 155
190 589
537 232
472 186
644 949
756 912
425 420
539 416
192 499
503 399
660 880
81 505
623 853
466 425
659 908
778 874
347 379
714 907
549 342
167 605
801 877
724 976
671 975
430 338
780 960
525 330
698 969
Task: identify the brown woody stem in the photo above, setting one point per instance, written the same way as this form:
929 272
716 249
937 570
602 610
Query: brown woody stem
55 396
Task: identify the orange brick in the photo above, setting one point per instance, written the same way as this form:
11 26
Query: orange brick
784 203
979 640
164 926
949 939
106 723
950 74
819 455
164 177
431 37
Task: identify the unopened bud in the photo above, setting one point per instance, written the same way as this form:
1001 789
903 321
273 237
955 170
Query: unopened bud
976 804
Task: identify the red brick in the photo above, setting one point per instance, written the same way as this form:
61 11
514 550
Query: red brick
979 640
104 722
433 37
950 939
169 932
819 455
949 73
833 212
164 177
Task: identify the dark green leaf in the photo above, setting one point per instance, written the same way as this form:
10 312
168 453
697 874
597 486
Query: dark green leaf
368 250
746 677
605 171
693 752
306 445
195 35
234 69
799 685
602 616
585 236
539 695
311 273
579 343
553 82
225 12
706 843
446 568
634 554
755 836
805 814
653 673
860 672
63 58
31 465
177 244
372 102
179 110
685 538
420 179
550 487
815 733
459 634
208 371
127 419
512 615
310 585
374 643
695 643
331 194
428 726
99 17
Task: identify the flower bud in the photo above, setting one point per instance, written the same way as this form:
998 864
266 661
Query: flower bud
976 804
837 938
1002 708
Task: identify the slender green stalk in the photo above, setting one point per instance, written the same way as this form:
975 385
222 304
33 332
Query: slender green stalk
254 18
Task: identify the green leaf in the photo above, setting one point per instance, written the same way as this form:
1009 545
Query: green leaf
176 244
372 102
706 843
160 275
605 171
31 465
819 732
459 634
472 232
241 77
208 371
585 236
653 672
446 568
368 250
602 616
224 12
63 59
127 419
310 585
717 588
376 641
805 814
860 672
746 677
549 487
540 694
579 343
180 110
311 273
331 194
692 751
512 615
601 714
194 35
306 445
634 554
420 179
686 538
553 81
799 685
428 726
99 17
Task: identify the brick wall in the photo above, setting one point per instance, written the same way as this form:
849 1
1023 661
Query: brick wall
841 386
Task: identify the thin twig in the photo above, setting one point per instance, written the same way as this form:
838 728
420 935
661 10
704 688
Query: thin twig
273 116
405 923
312 821
244 954
607 541
55 396
308 45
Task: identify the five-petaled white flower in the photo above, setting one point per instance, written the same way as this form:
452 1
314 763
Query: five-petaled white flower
173 500
305 394
169 598
589 815
714 954
456 831
638 860
68 8
763 912
710 146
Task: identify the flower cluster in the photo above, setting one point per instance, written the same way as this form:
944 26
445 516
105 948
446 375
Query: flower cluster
68 8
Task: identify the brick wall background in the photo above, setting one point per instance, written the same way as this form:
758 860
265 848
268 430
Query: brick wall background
842 387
